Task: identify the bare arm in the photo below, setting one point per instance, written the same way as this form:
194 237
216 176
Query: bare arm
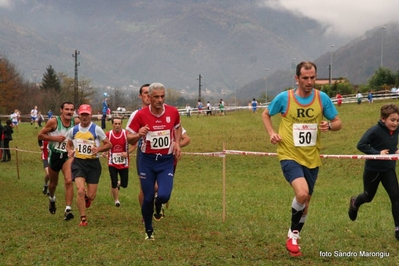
104 147
176 146
185 140
267 122
50 126
334 125
133 138
70 148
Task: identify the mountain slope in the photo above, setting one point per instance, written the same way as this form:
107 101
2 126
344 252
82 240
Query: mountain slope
230 44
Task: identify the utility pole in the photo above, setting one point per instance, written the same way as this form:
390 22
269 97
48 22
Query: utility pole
75 88
330 67
199 87
382 45
293 74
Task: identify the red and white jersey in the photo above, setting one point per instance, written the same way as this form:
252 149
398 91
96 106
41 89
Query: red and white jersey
161 134
119 145
44 150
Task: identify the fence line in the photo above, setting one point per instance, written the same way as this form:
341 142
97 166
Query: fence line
386 157
225 152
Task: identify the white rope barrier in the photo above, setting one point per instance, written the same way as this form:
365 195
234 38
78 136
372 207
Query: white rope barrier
213 154
388 157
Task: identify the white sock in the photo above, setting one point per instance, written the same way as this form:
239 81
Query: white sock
298 206
52 198
68 208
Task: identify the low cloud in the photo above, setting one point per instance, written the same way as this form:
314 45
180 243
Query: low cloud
5 3
350 18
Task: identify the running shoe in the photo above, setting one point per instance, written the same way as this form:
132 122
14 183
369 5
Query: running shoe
45 188
68 215
159 213
292 242
83 222
149 235
352 212
88 201
51 207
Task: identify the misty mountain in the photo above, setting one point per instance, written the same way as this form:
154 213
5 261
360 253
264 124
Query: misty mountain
231 43
356 61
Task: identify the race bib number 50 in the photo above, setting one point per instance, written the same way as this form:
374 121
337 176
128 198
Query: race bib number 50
159 139
304 134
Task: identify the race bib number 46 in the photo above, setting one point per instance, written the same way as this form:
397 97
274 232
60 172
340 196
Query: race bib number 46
304 134
159 139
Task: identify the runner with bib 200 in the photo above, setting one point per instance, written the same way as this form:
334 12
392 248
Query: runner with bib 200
159 127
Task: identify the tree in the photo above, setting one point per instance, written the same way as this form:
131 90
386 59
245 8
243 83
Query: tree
172 96
382 78
50 80
11 83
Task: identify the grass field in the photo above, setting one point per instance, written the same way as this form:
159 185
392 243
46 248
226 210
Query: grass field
192 233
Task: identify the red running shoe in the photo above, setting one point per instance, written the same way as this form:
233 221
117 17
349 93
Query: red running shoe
292 242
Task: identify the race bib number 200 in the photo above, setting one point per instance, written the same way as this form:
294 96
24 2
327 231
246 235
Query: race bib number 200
304 134
159 139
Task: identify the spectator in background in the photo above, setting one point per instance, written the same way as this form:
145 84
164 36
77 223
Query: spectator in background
339 99
221 107
199 107
49 114
208 108
188 110
104 113
370 97
359 97
33 116
254 105
7 130
14 119
40 119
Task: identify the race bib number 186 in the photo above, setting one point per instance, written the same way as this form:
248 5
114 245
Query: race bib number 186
85 146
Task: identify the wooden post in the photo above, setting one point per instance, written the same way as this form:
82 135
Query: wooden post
224 186
16 160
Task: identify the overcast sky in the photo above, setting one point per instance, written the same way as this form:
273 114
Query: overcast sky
348 17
